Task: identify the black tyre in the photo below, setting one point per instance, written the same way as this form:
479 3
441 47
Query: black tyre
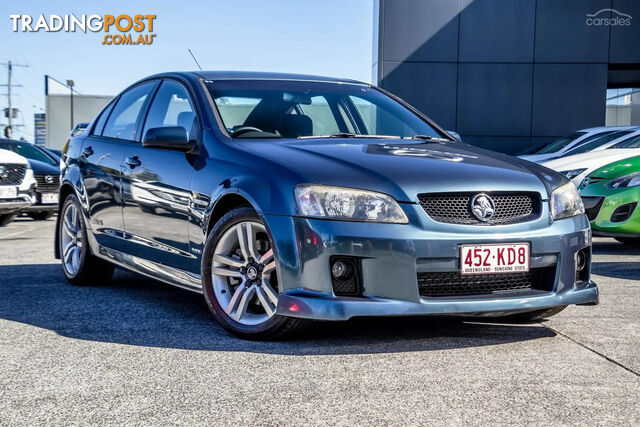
630 241
239 277
78 264
7 218
535 316
40 216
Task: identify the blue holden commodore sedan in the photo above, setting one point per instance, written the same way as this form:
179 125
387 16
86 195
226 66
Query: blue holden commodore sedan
288 198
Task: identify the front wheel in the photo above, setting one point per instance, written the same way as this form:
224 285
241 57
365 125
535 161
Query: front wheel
240 280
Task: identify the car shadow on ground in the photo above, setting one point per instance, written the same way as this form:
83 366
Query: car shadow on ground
617 269
138 311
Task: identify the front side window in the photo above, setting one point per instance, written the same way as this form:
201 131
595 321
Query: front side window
559 144
302 109
123 120
171 106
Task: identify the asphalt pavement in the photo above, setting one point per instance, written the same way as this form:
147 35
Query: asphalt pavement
139 352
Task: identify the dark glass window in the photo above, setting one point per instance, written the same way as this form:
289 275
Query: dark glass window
124 118
171 106
97 130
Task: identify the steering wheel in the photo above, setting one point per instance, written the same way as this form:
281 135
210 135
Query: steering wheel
244 129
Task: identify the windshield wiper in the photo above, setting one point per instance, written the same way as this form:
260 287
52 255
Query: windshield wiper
349 135
429 138
357 135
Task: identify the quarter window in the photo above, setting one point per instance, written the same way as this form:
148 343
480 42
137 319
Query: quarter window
97 130
124 119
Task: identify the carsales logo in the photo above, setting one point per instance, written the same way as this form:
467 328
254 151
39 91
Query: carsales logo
123 29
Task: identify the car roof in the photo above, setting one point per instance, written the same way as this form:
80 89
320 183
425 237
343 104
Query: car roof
256 75
605 128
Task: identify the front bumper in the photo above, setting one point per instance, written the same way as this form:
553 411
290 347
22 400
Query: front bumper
392 255
12 205
603 225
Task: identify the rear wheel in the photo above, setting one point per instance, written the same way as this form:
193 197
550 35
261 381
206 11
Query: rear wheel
78 264
240 280
7 218
631 241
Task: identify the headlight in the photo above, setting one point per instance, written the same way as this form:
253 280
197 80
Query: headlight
566 202
572 173
320 201
630 180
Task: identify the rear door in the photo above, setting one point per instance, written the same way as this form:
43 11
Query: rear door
103 152
156 183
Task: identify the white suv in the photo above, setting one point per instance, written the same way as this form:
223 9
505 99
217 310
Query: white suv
17 185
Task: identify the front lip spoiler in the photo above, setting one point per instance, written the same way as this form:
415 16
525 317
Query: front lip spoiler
316 306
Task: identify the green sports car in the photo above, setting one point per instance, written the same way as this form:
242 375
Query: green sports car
610 196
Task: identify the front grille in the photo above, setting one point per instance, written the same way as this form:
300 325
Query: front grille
455 208
442 284
12 174
47 185
592 212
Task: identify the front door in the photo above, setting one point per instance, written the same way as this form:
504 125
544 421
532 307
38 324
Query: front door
156 184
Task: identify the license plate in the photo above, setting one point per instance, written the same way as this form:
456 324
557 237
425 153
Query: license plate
8 192
50 198
494 258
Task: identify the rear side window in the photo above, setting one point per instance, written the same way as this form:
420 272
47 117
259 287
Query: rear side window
97 130
124 118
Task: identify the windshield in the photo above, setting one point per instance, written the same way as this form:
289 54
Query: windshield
300 109
557 144
631 142
29 151
591 145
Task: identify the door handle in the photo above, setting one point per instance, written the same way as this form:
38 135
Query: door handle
133 161
87 151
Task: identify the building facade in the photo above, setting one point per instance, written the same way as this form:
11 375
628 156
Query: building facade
508 74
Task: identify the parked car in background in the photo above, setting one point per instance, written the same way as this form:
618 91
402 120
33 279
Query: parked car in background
16 185
610 195
283 198
603 142
578 166
46 170
560 146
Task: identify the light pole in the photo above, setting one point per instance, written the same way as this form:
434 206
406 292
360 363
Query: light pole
70 84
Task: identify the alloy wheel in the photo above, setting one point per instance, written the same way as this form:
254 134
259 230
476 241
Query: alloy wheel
244 274
72 239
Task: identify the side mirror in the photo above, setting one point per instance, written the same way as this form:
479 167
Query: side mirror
169 137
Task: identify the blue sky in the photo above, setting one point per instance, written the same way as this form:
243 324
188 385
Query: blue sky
325 37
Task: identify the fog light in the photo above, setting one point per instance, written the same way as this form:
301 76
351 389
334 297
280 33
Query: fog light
341 271
581 260
345 276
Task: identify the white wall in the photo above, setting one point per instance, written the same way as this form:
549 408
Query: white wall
85 108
